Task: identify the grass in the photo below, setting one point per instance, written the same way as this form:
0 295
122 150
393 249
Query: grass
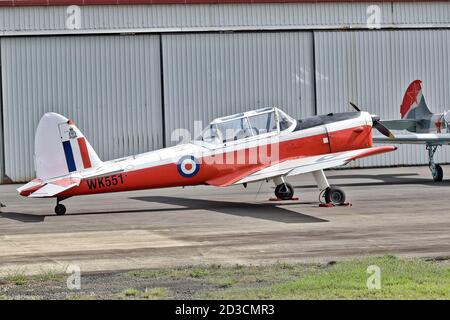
400 279
149 293
146 274
48 275
155 293
127 293
19 278
199 272
81 297
226 282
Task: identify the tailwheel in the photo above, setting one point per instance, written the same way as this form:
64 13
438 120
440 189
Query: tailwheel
437 173
60 209
284 191
334 195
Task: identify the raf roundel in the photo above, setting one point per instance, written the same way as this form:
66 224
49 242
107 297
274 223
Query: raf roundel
188 166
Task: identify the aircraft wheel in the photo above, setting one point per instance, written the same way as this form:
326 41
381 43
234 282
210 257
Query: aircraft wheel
284 191
335 195
437 173
60 209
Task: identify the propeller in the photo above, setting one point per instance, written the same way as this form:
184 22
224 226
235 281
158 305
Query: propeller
377 124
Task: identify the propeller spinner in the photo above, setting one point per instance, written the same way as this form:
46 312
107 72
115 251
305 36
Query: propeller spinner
377 124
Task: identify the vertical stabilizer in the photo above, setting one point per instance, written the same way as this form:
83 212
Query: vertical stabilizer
61 148
414 105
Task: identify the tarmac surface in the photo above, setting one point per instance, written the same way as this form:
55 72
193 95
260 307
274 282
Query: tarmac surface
394 211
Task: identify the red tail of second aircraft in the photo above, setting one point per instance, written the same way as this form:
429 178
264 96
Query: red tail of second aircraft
413 105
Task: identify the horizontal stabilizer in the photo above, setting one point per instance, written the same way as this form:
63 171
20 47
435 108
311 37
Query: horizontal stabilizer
55 187
31 186
104 170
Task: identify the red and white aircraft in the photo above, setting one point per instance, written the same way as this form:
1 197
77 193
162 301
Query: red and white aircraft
264 144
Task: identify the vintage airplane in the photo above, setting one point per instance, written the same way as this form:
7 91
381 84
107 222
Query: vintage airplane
264 144
430 129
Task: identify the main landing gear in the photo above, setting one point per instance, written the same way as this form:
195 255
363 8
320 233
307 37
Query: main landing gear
331 194
436 170
284 191
60 209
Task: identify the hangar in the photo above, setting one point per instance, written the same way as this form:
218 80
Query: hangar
130 72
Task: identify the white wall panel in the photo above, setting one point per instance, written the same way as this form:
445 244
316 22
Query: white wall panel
110 86
212 75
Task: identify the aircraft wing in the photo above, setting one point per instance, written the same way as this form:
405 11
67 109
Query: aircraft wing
416 138
402 124
300 165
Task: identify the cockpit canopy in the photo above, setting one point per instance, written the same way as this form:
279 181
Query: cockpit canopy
265 121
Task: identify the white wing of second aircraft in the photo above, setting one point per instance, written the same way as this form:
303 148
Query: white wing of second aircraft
416 138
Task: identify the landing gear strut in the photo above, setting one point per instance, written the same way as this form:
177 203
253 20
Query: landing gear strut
333 195
60 209
436 170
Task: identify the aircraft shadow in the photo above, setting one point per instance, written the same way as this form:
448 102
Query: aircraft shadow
22 217
383 180
265 211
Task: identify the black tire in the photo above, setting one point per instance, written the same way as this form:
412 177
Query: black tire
284 191
60 209
335 195
438 174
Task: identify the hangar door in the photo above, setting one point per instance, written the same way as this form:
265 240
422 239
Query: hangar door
373 69
109 85
216 74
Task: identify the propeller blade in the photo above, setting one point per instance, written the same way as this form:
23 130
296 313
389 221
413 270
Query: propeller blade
355 107
383 130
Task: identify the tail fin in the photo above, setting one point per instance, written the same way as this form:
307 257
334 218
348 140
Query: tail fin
61 148
414 105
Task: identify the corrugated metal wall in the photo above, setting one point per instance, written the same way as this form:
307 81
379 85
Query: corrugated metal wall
211 75
2 156
217 16
421 12
374 68
223 15
110 85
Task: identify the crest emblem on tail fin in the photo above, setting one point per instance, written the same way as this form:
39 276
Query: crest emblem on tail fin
72 133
